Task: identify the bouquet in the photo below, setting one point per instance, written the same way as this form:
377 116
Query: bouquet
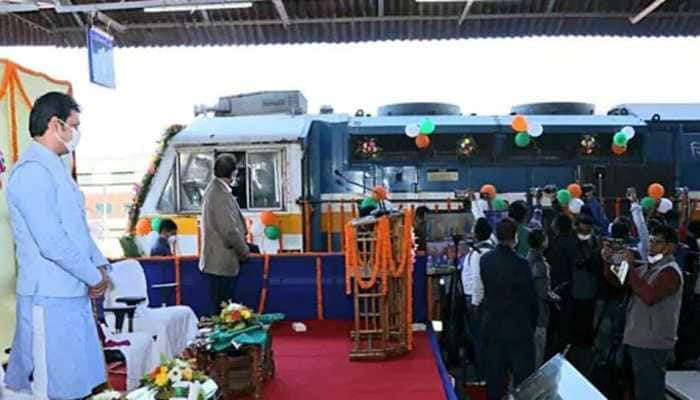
173 378
235 326
368 148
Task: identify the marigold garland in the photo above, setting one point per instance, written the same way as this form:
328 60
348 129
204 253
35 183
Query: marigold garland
263 292
319 289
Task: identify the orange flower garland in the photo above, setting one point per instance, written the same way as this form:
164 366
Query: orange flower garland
263 292
319 289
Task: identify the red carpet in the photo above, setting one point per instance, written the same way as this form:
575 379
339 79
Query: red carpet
314 365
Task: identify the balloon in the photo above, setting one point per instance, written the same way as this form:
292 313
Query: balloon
619 150
499 204
628 131
656 190
412 130
427 126
379 193
272 232
648 203
143 227
422 141
563 197
575 190
155 224
522 139
490 189
620 139
368 202
665 205
519 123
257 229
268 218
575 205
535 129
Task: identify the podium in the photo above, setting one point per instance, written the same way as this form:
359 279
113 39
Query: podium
379 255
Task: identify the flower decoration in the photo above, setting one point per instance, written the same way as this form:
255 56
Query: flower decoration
107 395
466 147
368 148
589 144
236 316
170 377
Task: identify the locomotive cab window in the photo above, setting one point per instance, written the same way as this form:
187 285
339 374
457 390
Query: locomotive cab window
257 179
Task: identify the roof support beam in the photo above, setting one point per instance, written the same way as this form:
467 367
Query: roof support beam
113 6
109 22
380 8
205 16
282 12
550 5
465 12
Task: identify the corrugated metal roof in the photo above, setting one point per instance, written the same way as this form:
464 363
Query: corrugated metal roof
343 21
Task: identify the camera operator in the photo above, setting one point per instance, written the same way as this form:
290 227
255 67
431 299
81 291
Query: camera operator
653 311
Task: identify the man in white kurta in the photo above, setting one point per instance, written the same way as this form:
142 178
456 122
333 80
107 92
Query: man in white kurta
56 352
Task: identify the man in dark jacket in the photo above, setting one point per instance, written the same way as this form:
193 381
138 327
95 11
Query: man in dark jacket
510 317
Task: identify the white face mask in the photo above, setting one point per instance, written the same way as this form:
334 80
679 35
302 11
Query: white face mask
584 238
172 240
72 144
655 259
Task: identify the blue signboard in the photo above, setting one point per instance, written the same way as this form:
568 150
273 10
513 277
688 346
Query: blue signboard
101 58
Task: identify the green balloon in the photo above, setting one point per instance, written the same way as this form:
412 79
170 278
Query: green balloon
648 203
620 139
522 139
368 202
427 126
155 224
272 232
499 204
563 197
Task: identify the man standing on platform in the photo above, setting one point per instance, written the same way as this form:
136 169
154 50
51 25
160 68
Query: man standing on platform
510 312
56 353
223 232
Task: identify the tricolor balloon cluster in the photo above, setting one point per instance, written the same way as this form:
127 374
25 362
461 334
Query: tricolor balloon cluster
421 132
655 196
146 226
620 140
269 220
525 130
497 202
378 194
571 198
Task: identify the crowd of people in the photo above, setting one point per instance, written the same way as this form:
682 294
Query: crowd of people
620 299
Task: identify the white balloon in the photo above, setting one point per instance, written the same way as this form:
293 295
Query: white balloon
412 130
535 129
575 206
665 205
628 131
257 229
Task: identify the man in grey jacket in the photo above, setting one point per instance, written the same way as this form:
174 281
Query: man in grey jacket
223 232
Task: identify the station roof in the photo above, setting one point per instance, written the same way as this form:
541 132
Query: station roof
63 22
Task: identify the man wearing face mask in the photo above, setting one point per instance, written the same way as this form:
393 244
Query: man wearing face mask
167 236
652 313
223 233
60 267
585 278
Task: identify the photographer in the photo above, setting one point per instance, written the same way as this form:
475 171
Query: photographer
653 311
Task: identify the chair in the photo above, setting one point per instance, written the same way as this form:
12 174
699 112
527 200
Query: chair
173 327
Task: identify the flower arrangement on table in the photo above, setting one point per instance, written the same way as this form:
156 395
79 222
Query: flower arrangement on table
237 325
175 378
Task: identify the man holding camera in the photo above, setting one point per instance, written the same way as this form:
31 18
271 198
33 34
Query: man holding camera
653 310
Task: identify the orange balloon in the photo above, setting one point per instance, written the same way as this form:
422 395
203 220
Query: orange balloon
143 227
379 193
619 150
422 141
656 190
490 189
268 218
575 190
519 124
